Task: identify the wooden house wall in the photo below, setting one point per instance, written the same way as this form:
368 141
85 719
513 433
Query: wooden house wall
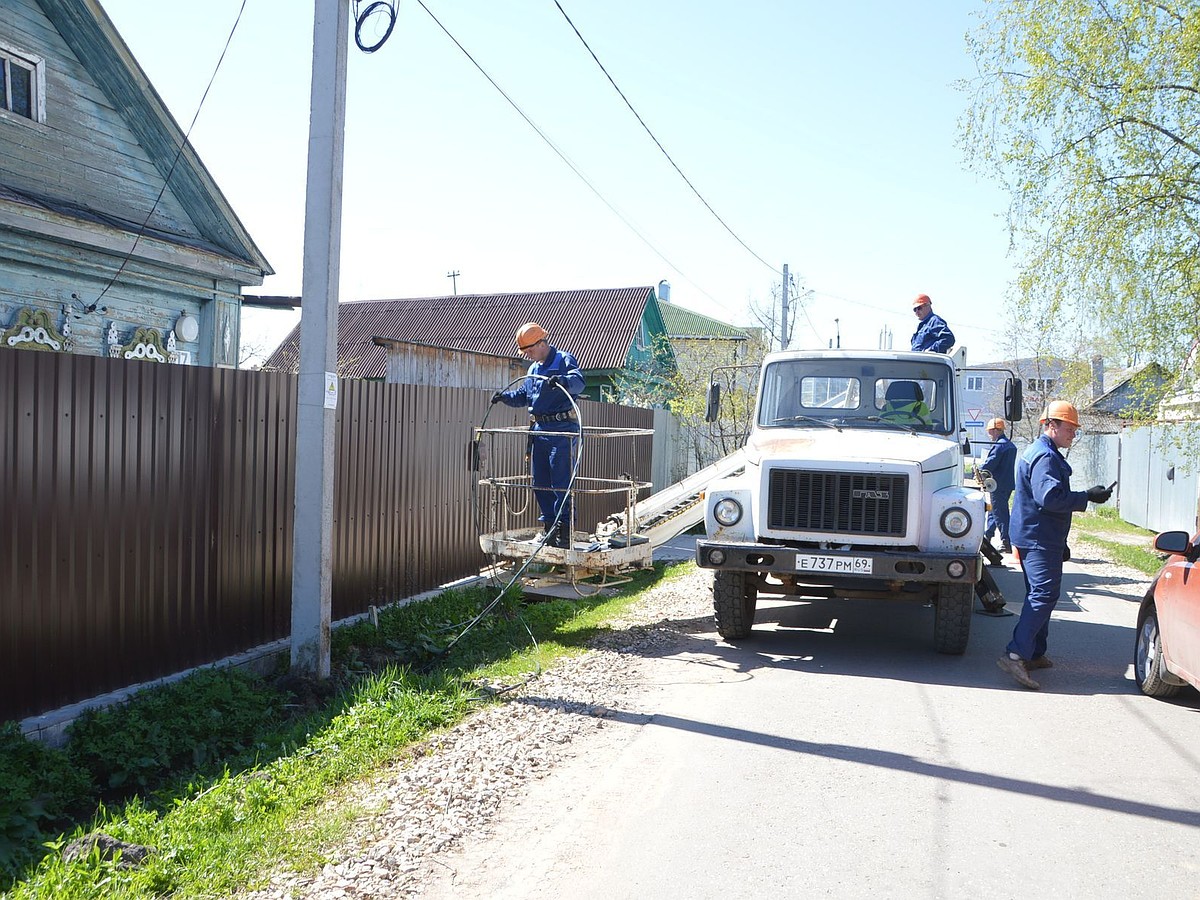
44 274
84 152
441 367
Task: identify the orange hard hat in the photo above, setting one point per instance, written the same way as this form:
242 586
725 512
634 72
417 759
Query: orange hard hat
529 334
921 299
1061 410
996 423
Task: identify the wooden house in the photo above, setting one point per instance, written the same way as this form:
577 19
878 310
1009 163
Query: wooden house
114 238
617 335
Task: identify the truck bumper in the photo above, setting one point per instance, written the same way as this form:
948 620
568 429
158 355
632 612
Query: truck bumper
839 566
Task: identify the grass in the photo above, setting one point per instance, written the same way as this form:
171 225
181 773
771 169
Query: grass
271 808
1120 542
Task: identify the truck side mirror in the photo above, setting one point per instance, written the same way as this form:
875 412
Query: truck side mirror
713 402
966 445
1014 403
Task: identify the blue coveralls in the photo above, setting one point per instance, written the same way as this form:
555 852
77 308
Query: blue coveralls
1001 461
1041 520
551 457
933 334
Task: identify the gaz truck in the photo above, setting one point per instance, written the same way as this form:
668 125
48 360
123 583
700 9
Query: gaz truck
853 488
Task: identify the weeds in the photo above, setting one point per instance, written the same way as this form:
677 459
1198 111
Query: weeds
228 776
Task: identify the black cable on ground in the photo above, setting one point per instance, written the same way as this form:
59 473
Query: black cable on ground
550 529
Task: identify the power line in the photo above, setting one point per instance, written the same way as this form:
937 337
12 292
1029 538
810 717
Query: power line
175 162
562 155
658 143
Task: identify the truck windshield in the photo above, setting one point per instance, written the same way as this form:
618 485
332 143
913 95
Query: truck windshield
806 393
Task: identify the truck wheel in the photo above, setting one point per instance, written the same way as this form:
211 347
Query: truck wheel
733 604
952 618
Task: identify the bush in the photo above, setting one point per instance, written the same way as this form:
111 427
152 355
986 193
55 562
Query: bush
40 792
196 725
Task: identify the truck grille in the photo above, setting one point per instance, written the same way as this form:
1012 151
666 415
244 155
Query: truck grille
839 502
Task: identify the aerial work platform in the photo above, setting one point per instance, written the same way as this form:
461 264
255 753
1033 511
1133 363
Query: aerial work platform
624 541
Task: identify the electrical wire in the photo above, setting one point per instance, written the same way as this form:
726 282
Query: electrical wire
175 162
550 527
658 143
563 156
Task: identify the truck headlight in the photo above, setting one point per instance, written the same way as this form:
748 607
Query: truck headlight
956 521
727 512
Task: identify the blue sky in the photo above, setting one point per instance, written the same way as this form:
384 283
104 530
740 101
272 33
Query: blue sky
823 134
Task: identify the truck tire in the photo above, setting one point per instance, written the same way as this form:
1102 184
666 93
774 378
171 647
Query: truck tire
952 618
733 605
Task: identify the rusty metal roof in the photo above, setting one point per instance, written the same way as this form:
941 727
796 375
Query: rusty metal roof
598 326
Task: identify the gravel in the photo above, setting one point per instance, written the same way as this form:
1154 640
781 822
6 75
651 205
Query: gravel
451 788
449 791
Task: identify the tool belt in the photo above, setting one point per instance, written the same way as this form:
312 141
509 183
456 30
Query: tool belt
568 416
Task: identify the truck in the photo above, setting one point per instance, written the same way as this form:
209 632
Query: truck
853 488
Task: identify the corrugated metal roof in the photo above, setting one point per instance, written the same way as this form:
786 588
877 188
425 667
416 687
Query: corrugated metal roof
683 323
598 326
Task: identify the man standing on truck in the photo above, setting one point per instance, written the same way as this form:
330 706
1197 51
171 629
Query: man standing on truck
554 378
1000 464
932 332
1041 520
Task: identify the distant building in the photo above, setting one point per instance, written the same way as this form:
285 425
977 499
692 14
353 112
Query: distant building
617 334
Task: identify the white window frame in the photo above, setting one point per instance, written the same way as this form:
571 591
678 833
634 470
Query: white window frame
36 66
974 382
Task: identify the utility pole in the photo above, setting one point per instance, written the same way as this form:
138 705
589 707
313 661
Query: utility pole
453 276
838 328
783 323
316 404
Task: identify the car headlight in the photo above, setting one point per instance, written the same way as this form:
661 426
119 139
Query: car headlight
956 521
727 512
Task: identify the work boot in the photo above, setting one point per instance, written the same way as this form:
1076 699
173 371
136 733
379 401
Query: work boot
561 538
1016 668
1042 662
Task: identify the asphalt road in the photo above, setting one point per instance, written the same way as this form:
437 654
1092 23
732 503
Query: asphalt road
836 755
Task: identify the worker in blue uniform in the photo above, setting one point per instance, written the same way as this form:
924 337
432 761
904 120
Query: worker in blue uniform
553 379
932 332
1000 464
1041 521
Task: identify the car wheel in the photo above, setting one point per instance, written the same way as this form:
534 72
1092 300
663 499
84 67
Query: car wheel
952 618
1148 667
733 604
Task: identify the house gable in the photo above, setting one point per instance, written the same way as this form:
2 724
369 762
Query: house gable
88 233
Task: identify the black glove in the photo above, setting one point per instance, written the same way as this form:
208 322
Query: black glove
554 381
497 397
1098 494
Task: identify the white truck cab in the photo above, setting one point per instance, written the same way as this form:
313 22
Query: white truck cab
853 488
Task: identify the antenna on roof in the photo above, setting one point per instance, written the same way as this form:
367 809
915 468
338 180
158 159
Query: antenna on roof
453 276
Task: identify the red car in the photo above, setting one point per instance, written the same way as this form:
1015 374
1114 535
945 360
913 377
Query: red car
1166 656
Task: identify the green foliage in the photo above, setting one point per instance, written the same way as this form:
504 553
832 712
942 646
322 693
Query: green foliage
39 792
1089 114
190 726
266 795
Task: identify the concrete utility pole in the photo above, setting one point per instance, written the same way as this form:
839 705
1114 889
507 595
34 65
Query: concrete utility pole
783 326
312 545
453 276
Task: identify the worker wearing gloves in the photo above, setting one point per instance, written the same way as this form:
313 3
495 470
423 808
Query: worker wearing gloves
1041 521
553 379
932 333
1000 464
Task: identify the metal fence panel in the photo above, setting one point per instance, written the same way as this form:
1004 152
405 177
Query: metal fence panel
148 512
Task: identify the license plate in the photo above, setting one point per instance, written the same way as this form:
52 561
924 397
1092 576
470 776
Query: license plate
853 565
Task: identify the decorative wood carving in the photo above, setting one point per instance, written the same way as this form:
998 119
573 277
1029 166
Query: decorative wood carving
145 344
33 330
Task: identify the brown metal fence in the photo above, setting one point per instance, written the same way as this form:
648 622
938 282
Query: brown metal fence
148 511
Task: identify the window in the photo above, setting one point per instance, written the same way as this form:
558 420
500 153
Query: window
974 382
21 82
1040 385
